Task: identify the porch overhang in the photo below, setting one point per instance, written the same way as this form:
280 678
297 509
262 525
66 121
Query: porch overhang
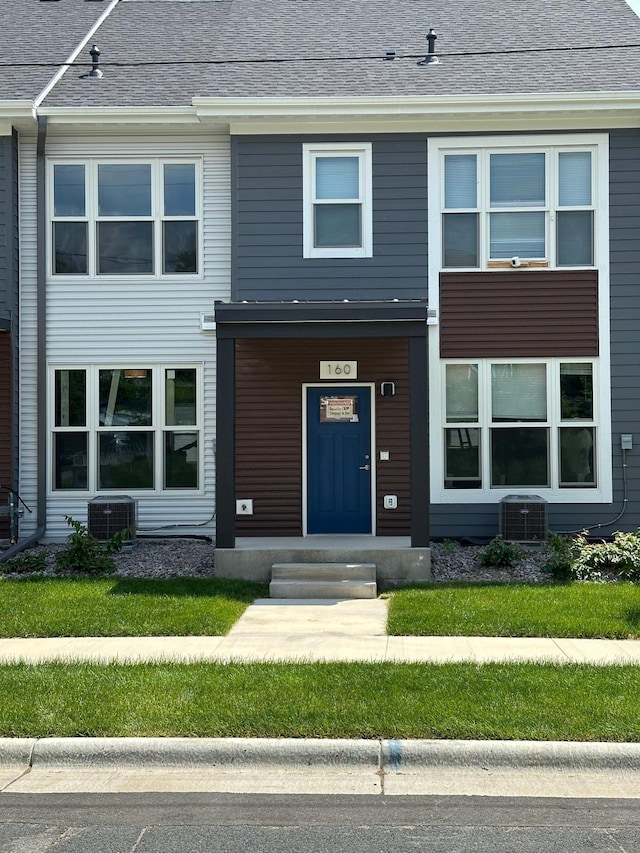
322 320
384 318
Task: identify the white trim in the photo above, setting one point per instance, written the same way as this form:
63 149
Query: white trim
407 105
371 386
157 216
310 153
158 426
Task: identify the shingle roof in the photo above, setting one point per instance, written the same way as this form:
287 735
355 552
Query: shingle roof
35 36
335 48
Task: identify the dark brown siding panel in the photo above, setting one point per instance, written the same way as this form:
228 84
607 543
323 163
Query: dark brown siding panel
269 380
518 314
6 425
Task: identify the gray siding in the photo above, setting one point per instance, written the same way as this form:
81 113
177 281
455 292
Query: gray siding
8 225
267 260
9 249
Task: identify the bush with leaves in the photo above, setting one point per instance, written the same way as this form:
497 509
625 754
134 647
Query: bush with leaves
563 552
501 554
84 553
25 564
575 558
620 556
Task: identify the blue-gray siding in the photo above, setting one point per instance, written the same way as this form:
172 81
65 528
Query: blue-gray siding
267 260
268 265
9 249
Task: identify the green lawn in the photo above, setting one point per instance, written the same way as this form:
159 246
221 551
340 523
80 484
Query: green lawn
517 610
355 700
107 607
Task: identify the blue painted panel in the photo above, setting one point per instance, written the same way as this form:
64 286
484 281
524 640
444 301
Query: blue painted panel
339 490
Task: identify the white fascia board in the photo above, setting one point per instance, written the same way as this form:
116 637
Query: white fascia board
119 115
261 115
13 111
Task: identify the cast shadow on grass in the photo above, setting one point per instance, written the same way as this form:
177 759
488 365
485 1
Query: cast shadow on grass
234 590
632 617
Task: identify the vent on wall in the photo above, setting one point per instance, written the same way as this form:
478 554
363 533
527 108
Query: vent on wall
112 514
523 518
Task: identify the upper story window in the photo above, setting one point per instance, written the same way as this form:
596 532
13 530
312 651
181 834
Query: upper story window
337 220
125 218
524 206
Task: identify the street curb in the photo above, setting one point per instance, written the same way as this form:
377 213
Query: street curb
308 754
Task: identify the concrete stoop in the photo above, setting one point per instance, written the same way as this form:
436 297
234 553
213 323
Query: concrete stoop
323 580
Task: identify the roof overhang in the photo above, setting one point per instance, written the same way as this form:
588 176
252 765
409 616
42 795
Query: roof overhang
388 318
15 113
569 110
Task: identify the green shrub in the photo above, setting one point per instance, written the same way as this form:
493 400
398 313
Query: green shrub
84 553
577 559
621 556
24 564
563 552
501 554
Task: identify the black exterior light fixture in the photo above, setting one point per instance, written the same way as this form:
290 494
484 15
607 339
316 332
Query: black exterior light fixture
430 58
387 389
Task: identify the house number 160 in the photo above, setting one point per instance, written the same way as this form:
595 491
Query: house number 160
338 370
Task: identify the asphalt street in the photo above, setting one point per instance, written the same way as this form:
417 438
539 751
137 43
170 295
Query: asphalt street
223 823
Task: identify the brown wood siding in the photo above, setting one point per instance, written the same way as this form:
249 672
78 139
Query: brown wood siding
518 313
6 422
269 379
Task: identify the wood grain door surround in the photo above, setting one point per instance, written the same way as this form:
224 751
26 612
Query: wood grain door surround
270 378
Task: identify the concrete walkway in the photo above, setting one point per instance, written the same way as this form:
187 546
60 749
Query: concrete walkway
289 630
318 630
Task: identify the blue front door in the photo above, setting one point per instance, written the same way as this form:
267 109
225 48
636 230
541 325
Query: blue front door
339 460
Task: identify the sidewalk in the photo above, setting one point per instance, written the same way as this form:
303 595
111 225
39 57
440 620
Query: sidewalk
319 630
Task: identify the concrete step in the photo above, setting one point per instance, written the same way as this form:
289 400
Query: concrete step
323 580
309 589
324 571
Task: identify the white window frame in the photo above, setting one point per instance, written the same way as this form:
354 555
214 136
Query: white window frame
602 370
551 147
157 215
312 152
553 424
158 426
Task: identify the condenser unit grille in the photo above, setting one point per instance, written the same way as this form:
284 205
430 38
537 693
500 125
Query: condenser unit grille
523 518
110 515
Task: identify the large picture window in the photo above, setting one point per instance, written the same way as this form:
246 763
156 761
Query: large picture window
520 425
337 200
134 428
531 207
117 218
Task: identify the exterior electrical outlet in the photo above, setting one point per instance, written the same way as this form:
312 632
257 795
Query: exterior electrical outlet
244 507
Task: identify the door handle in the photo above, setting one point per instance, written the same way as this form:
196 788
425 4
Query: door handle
365 467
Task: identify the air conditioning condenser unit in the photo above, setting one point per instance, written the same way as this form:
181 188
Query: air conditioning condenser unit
112 514
523 518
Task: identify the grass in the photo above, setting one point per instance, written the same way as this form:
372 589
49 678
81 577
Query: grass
103 607
517 610
366 700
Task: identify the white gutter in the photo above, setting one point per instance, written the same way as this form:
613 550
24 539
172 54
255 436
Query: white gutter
117 115
436 114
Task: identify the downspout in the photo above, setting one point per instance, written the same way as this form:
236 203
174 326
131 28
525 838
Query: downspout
41 356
